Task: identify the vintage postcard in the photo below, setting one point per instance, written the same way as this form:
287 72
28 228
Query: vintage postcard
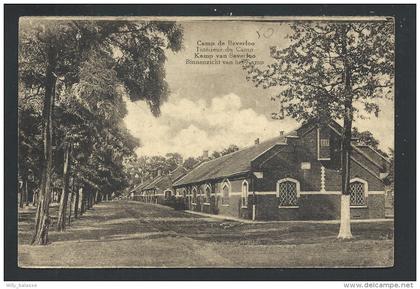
206 142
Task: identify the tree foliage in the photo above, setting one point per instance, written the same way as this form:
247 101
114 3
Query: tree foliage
190 163
72 78
230 149
367 138
312 71
136 51
148 167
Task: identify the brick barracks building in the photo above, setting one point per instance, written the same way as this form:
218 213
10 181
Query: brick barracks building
294 176
159 189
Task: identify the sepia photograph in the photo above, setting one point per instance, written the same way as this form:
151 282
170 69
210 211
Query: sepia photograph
206 142
212 142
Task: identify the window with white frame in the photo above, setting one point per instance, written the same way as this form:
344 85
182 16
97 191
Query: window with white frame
200 195
168 194
225 193
188 196
194 195
325 142
288 192
358 193
305 165
244 199
208 193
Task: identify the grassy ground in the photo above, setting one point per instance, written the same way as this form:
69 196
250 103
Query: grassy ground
133 234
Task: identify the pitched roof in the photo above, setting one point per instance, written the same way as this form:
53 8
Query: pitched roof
151 185
177 173
240 161
230 164
165 182
366 151
373 154
139 187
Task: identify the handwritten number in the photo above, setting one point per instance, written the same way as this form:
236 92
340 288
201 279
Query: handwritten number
267 33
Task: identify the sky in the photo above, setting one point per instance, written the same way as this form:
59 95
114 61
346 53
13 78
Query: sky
213 106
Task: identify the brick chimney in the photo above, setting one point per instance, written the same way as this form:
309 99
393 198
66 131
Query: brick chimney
257 141
205 154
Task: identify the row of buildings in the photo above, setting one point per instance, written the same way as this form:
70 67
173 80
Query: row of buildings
294 176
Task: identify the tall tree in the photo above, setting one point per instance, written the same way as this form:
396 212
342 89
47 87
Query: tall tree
50 57
332 70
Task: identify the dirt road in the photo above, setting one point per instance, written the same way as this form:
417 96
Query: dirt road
134 234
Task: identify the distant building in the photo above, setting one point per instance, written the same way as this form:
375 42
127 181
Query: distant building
294 176
136 192
160 188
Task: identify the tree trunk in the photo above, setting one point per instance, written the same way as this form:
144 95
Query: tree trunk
71 200
42 218
59 196
76 203
26 193
21 186
92 196
20 195
88 198
345 227
61 222
87 202
35 198
70 205
97 197
82 201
